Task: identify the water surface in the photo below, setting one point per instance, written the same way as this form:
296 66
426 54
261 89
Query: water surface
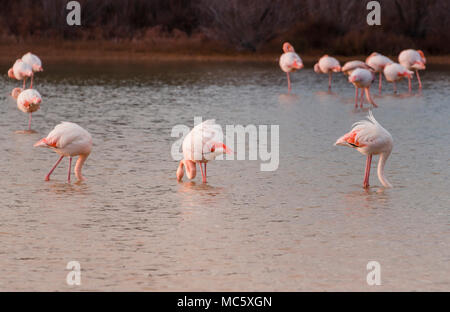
307 226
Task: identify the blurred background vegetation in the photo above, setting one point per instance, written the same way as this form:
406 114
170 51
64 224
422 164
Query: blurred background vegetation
312 26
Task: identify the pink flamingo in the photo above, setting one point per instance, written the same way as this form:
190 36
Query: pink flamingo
362 78
395 72
21 71
35 62
413 60
68 139
378 62
201 145
369 138
351 66
327 65
28 101
290 61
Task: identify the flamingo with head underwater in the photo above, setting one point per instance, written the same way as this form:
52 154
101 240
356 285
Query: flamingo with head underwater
369 138
201 145
290 61
362 78
378 62
68 139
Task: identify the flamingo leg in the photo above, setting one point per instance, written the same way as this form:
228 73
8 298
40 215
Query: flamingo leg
379 85
362 98
356 97
203 175
24 81
31 85
367 173
395 87
418 79
409 84
289 82
329 81
369 98
47 177
70 169
29 122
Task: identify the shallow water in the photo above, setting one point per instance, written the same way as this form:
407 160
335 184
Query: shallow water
307 226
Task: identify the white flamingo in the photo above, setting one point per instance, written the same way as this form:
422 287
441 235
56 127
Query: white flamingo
35 62
21 71
395 72
68 139
28 101
327 65
290 61
362 78
369 138
413 60
201 145
378 62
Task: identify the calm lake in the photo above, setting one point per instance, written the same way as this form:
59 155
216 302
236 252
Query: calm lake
307 226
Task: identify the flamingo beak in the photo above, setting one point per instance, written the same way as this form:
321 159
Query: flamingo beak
341 141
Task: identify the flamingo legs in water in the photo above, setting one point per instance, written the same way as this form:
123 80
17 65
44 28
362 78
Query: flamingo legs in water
367 173
29 122
24 81
379 84
395 88
203 173
356 97
289 83
47 177
31 85
70 168
418 78
409 84
329 81
362 99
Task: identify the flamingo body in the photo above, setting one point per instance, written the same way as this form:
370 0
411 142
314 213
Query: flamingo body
34 61
350 66
327 65
413 60
28 101
362 78
369 138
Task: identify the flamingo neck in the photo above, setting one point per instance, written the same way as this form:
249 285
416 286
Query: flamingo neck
381 163
79 165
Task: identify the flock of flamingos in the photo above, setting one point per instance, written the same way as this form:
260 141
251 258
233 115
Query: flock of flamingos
366 136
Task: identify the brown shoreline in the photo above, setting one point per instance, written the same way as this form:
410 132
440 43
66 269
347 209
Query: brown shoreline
91 51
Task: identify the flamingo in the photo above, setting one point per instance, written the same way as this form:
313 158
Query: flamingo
327 65
378 62
201 145
28 101
362 78
395 72
68 139
413 60
21 71
35 62
370 138
290 61
348 69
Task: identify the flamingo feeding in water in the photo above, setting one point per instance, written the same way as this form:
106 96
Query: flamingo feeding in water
413 60
395 72
35 62
327 65
378 62
21 71
290 61
28 101
68 139
369 138
362 78
201 144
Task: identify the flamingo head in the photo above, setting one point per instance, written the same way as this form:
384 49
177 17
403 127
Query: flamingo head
11 74
353 78
15 93
287 47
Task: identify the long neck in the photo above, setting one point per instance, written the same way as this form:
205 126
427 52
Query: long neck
79 165
381 164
